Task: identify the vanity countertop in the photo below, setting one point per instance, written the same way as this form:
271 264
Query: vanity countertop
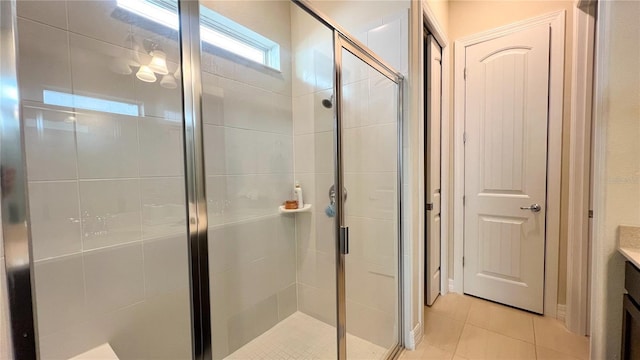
629 243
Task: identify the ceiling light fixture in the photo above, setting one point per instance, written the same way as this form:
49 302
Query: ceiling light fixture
158 62
146 74
168 82
215 29
123 63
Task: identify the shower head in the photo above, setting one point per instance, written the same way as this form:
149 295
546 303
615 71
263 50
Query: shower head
328 103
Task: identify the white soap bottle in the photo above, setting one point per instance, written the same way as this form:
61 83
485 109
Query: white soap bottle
297 191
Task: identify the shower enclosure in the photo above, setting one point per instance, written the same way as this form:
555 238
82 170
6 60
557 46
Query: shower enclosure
147 147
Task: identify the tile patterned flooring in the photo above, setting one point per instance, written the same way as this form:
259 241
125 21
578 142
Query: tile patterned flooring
301 336
459 327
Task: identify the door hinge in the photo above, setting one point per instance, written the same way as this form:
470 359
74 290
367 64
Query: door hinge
463 261
465 73
590 214
464 137
429 206
464 198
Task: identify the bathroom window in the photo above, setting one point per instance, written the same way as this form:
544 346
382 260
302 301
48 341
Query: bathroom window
215 30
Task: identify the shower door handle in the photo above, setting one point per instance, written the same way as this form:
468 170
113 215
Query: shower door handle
344 240
332 194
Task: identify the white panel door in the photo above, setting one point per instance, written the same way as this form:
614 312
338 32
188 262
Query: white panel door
506 107
432 156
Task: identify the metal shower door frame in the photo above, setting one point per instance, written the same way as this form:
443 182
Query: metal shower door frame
15 201
345 42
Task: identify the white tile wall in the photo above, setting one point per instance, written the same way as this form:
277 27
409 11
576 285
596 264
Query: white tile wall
110 287
41 49
127 172
160 102
55 217
60 293
370 162
236 151
305 147
90 60
50 12
107 146
319 303
314 165
110 212
163 207
250 107
253 277
161 144
312 45
165 274
84 15
50 143
248 142
106 191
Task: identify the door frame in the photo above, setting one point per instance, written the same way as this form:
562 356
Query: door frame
556 21
433 27
580 168
428 21
426 159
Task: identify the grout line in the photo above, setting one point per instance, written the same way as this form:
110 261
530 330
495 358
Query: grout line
286 134
533 326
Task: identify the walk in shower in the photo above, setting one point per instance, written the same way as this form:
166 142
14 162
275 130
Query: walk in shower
161 138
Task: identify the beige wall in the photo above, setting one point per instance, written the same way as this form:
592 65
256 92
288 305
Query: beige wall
440 9
617 183
470 17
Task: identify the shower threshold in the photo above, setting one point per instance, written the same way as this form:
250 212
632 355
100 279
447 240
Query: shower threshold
301 336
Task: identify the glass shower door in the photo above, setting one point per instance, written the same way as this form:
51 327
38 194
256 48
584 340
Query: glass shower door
370 162
102 116
267 79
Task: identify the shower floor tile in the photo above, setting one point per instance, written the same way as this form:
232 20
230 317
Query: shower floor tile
301 336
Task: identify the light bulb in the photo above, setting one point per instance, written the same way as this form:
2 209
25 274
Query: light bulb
168 82
145 74
159 62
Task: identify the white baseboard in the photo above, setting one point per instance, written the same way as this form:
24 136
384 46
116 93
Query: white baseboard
561 313
415 337
451 285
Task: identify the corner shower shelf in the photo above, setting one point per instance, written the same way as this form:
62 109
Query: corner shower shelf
305 208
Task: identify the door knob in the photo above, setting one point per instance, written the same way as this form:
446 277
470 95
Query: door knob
533 208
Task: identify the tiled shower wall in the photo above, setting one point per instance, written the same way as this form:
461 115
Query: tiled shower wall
314 165
370 139
106 190
371 171
249 167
